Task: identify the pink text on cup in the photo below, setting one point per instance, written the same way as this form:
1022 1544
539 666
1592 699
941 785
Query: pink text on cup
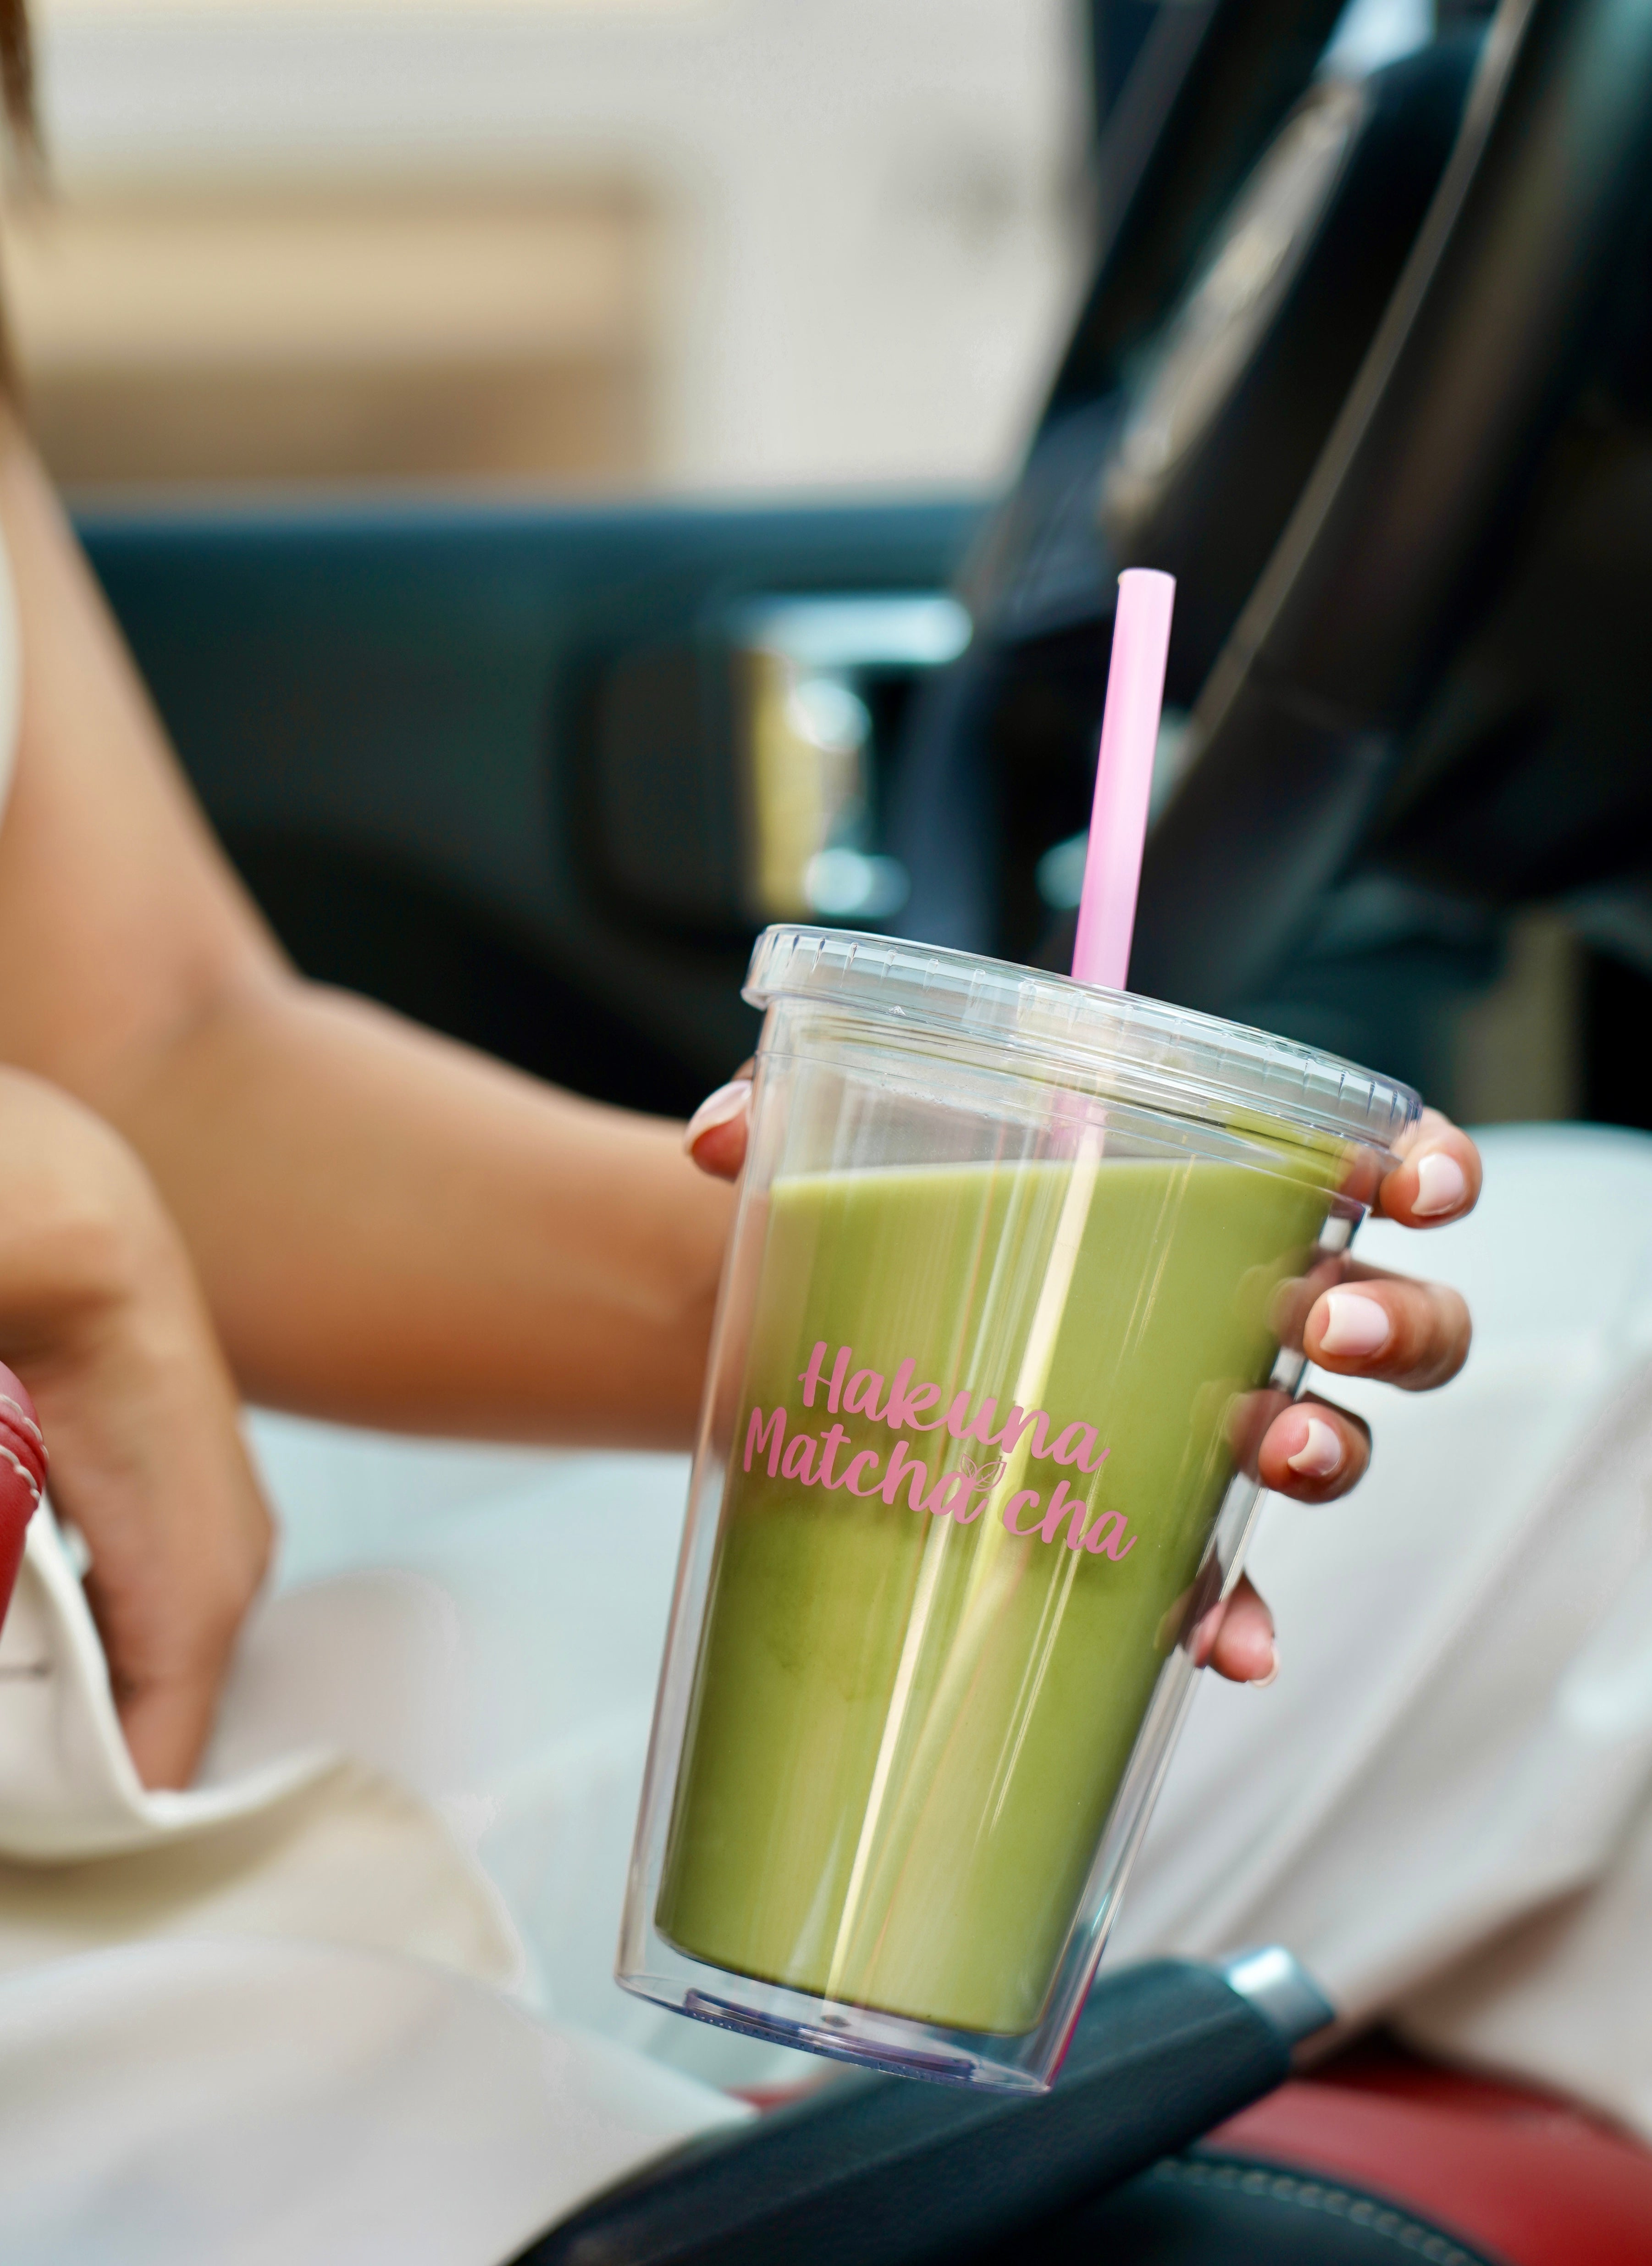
811 1458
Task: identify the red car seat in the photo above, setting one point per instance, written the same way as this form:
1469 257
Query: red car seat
22 1477
1527 2178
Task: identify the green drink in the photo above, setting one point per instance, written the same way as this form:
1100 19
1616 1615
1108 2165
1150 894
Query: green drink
908 1731
1006 1273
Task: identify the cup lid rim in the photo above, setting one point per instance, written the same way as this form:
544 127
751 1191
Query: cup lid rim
1209 1062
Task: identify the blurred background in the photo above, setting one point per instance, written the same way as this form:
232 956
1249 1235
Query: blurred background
550 457
603 245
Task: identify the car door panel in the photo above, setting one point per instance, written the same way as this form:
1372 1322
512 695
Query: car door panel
393 714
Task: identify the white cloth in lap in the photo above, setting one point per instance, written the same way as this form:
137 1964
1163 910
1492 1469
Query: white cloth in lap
286 1984
247 2104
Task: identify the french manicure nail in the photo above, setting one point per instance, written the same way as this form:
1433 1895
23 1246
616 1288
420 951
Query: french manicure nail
1354 1326
720 1109
1320 1453
1261 1683
1441 1185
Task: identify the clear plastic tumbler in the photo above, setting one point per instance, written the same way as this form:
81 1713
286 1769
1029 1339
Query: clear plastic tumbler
1003 1296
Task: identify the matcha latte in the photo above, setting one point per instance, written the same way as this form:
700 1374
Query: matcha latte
984 1434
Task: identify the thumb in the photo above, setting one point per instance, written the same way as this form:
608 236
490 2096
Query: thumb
715 1135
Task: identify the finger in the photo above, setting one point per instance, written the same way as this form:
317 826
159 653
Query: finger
1438 1177
1314 1451
1249 1418
715 1135
1413 1334
1295 1299
167 1727
169 1625
1236 1638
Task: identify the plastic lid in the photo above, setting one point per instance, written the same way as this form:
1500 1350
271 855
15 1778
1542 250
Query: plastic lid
1167 1057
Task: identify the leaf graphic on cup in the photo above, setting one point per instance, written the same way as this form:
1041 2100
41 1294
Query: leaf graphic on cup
972 1481
982 1475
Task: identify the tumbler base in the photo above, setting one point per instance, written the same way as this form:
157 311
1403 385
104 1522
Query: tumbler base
871 2040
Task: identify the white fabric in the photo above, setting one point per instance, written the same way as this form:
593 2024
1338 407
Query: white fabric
554 1575
67 1785
298 1841
255 2104
283 2048
273 2063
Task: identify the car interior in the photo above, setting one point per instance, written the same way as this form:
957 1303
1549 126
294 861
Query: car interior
1366 360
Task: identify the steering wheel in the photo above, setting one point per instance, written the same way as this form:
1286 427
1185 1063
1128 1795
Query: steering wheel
1355 415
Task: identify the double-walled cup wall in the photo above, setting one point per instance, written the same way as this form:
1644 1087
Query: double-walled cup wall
1001 1312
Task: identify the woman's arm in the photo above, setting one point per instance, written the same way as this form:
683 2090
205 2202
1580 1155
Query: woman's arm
387 1227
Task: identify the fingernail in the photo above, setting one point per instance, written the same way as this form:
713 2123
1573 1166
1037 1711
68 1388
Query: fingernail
720 1109
1261 1683
1320 1453
1441 1185
1354 1326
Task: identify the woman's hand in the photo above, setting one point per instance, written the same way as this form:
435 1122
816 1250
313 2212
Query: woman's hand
101 1317
1351 1321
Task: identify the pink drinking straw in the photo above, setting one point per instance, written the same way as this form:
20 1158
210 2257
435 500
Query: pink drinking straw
1123 776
